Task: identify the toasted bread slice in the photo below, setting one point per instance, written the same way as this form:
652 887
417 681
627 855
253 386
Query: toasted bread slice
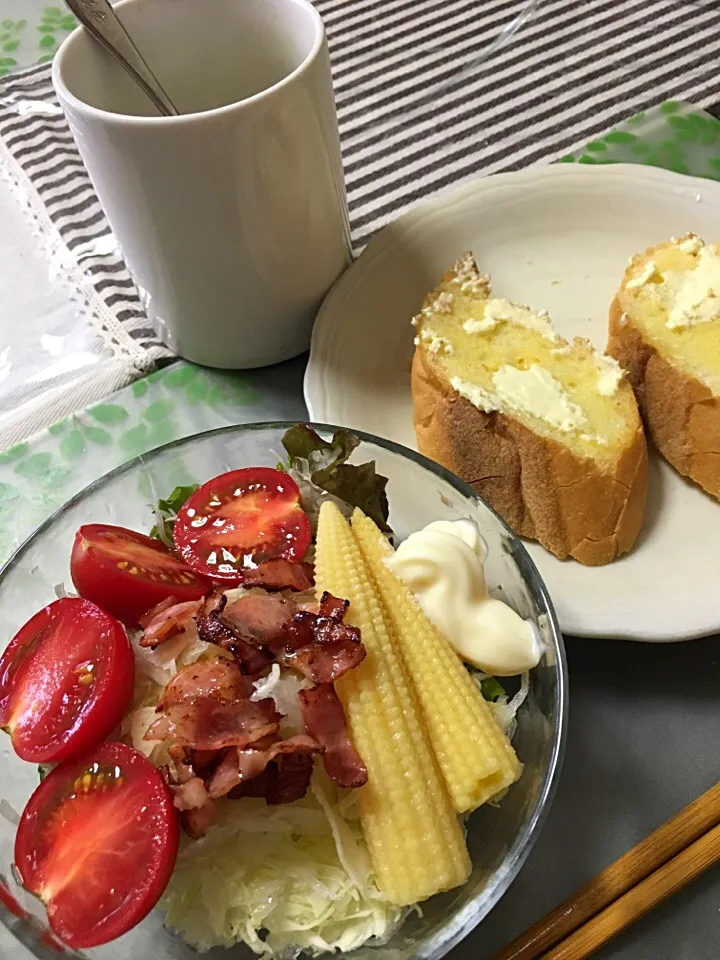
547 432
665 331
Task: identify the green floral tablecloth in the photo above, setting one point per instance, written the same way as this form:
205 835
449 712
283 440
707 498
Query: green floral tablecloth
32 34
674 135
38 476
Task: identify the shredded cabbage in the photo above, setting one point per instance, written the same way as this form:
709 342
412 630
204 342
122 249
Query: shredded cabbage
506 711
273 877
61 591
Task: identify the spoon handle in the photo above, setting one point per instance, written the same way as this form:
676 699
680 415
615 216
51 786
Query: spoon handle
102 22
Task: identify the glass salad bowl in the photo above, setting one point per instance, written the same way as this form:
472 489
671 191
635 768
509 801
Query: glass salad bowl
419 491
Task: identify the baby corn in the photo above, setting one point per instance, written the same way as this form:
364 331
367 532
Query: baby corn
409 822
475 756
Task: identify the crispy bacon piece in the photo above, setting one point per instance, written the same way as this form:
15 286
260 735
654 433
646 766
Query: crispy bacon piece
211 723
258 628
203 760
306 628
167 621
213 603
262 618
320 645
326 664
283 781
333 607
253 659
291 782
279 574
239 766
195 822
325 721
257 786
148 617
190 795
236 766
207 678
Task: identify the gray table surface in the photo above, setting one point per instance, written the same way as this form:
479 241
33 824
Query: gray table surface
642 743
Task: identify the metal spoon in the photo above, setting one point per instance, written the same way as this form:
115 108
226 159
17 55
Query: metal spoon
102 22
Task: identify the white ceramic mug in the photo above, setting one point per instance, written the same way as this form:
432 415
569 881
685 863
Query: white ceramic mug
232 217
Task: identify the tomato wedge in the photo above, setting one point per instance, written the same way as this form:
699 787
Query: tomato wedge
97 842
127 573
240 519
66 679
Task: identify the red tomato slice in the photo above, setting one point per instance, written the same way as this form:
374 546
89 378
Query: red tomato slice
97 843
66 679
240 519
127 573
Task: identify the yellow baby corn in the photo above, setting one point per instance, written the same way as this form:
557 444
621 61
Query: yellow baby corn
475 756
410 826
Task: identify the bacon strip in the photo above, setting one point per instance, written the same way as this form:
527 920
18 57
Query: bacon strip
148 617
195 822
211 723
283 781
214 603
280 574
239 766
190 795
167 621
333 607
326 664
257 629
207 678
325 721
294 771
236 767
321 646
262 617
252 659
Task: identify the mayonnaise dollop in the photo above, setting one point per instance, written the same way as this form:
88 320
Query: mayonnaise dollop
442 564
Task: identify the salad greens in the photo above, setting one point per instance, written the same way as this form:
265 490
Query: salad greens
324 464
167 510
492 689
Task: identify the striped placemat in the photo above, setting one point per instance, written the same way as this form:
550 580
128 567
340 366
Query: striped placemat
430 93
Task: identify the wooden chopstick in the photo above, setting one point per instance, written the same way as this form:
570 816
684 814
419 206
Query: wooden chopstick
639 900
648 868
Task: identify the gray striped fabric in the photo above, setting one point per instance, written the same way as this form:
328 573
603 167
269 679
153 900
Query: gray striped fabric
430 93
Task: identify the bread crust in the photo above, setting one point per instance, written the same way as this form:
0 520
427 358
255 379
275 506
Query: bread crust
539 488
681 415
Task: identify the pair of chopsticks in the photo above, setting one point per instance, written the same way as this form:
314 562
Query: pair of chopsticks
652 871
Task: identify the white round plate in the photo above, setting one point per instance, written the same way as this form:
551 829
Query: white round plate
557 237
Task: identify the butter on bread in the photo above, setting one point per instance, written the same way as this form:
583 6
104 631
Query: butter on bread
547 432
665 332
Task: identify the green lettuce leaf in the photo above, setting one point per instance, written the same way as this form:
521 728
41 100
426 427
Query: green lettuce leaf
324 464
492 689
167 510
302 443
